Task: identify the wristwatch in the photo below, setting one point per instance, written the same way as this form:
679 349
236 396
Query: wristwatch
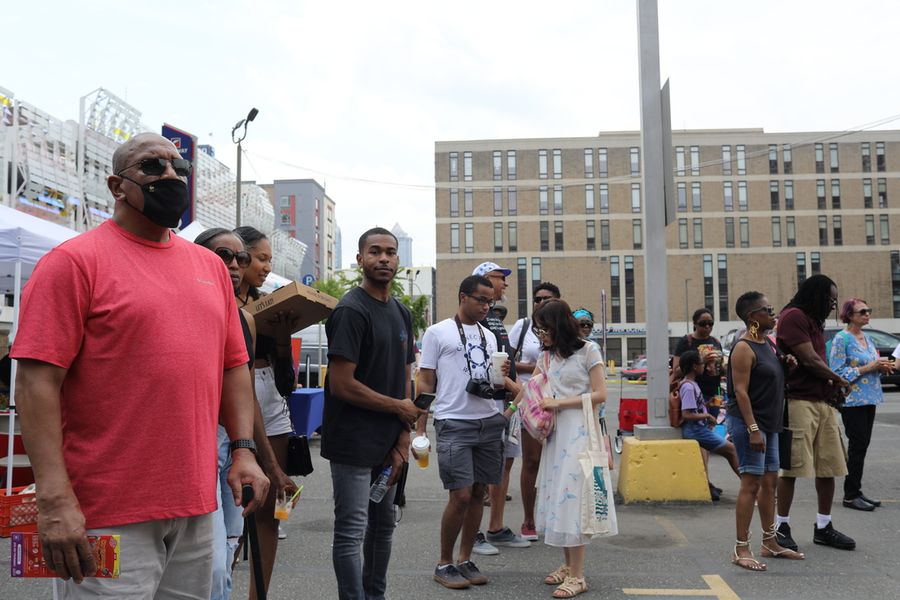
248 444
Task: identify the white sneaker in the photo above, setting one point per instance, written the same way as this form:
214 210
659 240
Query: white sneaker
482 546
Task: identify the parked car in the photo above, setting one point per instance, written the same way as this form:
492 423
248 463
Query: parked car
637 371
885 343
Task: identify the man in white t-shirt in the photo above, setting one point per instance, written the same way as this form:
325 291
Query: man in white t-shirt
456 358
524 363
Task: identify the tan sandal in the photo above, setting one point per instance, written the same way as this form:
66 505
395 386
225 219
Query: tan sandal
571 587
558 576
746 562
785 553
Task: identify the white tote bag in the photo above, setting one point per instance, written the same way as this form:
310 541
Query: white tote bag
598 510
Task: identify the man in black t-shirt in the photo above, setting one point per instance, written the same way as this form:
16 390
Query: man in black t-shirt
367 415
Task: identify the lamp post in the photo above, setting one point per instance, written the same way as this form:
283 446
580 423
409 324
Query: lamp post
237 139
687 324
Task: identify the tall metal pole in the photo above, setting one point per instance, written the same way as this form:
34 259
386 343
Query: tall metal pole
237 203
687 324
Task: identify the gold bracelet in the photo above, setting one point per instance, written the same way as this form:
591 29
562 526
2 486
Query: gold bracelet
753 427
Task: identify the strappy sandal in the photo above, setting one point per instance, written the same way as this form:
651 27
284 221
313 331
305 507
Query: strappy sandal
746 562
786 553
571 587
557 576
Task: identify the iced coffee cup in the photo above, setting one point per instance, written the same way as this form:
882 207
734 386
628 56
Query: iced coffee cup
497 360
420 448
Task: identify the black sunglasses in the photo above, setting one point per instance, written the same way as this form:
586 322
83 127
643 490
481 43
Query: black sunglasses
540 299
768 310
157 166
705 323
863 311
586 325
228 255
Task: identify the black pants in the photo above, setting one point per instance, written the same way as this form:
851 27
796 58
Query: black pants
858 421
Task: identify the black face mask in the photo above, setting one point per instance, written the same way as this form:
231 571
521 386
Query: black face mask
165 200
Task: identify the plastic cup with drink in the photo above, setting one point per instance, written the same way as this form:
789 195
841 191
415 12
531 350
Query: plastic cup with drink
420 450
284 505
498 359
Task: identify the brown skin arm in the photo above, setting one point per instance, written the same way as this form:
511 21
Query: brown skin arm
399 454
813 363
349 389
426 382
61 524
742 360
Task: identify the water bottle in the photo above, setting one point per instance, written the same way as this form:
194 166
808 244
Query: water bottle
380 487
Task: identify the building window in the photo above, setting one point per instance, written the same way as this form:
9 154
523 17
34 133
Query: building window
741 159
679 161
498 237
838 230
820 158
467 203
815 263
695 160
588 163
545 236
789 195
604 198
510 164
742 196
557 164
522 285
635 197
635 154
726 160
786 157
880 163
698 233
682 233
590 235
870 230
535 271
543 207
454 203
776 232
823 230
696 205
745 232
728 195
498 164
604 234
637 234
773 195
602 162
629 289
454 166
895 281
470 238
773 159
791 231
882 193
498 202
589 199
512 202
557 200
867 193
513 236
558 236
833 157
801 268
682 196
467 166
820 194
836 194
542 164
723 286
615 291
865 149
885 230
454 238
708 299
729 232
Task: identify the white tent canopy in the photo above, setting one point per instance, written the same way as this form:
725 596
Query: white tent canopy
25 239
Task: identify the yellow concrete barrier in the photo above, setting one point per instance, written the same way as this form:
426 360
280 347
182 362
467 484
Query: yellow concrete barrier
662 471
610 367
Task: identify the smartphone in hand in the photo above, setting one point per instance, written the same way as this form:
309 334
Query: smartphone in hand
424 400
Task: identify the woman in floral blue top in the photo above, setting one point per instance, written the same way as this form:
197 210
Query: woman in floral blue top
854 357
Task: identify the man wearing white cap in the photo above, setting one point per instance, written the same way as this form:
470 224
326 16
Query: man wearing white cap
498 534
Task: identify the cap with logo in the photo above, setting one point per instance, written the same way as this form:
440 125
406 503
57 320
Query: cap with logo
487 267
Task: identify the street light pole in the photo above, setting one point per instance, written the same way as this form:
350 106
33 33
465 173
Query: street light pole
237 139
687 325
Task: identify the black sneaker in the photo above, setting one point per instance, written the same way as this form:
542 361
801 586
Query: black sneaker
468 570
784 539
450 577
875 503
829 536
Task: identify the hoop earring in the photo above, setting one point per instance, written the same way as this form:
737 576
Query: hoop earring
753 329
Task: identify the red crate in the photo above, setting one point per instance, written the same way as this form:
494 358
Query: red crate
18 512
632 411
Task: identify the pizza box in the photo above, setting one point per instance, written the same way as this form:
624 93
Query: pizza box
308 306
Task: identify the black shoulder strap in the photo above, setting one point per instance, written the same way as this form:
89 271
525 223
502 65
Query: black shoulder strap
521 339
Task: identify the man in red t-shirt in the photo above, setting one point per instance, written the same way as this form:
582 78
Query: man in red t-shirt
130 351
817 447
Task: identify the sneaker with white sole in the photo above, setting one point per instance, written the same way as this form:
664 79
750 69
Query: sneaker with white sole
529 533
482 546
505 537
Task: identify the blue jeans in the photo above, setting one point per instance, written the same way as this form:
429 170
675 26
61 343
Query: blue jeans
363 532
228 524
750 461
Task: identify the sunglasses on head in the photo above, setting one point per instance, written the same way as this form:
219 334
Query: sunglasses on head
228 255
540 331
157 166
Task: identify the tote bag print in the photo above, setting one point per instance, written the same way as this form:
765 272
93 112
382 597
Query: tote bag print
598 511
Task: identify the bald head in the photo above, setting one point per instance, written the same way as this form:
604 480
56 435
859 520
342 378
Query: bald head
123 156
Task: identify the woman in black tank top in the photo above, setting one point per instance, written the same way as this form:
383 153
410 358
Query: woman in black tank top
755 414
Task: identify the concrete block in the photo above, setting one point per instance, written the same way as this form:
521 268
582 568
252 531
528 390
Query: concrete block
662 471
655 432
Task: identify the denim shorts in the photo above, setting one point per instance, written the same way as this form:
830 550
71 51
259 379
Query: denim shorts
750 461
706 437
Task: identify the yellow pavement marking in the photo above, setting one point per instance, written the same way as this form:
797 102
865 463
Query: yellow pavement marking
672 529
717 589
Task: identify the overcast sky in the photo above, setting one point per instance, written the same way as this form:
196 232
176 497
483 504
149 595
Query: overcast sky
351 91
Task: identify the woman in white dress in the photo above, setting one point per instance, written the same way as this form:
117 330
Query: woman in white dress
575 368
